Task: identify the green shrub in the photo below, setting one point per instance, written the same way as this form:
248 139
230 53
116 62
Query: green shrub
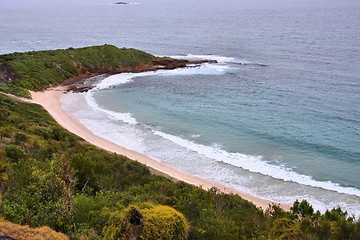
284 228
14 153
148 222
37 70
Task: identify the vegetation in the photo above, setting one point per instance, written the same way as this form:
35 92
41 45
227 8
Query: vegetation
50 177
37 70
151 222
15 231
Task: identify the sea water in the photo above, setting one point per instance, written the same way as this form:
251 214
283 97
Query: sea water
278 116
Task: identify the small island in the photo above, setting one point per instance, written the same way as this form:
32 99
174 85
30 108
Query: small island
121 3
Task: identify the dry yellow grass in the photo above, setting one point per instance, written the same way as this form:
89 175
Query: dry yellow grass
26 233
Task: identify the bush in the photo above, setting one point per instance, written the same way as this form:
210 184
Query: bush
284 228
14 153
150 222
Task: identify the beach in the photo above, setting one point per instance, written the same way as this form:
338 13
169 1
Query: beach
50 101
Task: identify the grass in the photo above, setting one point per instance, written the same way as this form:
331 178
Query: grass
20 72
25 233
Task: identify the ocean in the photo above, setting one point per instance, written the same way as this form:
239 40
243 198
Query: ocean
278 116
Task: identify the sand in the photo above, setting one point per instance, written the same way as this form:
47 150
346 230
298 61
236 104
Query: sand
50 100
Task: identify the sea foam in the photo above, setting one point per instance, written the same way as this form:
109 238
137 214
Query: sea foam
219 59
124 117
253 164
256 164
122 78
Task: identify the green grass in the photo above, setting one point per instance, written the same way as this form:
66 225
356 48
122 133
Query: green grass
37 70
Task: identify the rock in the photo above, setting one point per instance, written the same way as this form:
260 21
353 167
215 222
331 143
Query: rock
121 3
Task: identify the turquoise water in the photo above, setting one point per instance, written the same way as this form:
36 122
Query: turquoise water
277 117
263 118
220 121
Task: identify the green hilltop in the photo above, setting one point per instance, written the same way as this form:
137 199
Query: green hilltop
51 177
20 72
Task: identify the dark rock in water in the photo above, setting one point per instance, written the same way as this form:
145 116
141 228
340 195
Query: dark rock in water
121 3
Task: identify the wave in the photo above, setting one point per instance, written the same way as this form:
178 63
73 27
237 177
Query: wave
119 79
219 59
219 68
124 117
122 78
257 164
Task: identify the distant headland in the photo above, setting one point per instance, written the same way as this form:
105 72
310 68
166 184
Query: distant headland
35 71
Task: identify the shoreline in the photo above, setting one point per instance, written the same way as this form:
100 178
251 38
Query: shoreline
50 101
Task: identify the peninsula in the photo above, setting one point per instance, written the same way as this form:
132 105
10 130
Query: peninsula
66 180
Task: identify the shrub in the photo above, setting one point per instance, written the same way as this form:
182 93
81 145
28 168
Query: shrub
150 222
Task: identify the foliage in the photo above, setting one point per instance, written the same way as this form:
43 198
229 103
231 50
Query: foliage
37 70
301 209
51 177
148 221
42 197
284 228
163 222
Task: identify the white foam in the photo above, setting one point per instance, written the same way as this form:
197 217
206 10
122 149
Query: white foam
254 164
101 124
257 164
219 59
124 117
203 69
204 160
122 78
114 80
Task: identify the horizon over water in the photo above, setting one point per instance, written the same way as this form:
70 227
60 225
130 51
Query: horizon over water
278 116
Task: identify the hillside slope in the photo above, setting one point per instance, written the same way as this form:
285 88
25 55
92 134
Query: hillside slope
20 72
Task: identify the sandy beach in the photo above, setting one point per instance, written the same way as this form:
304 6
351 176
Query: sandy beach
50 100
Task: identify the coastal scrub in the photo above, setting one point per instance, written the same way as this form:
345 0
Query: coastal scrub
51 177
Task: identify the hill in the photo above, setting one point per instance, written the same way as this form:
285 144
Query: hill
51 177
20 72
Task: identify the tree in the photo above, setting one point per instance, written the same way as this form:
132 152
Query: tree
284 228
335 214
302 209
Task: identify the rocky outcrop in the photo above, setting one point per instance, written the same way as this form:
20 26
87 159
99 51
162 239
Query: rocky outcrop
84 83
6 74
